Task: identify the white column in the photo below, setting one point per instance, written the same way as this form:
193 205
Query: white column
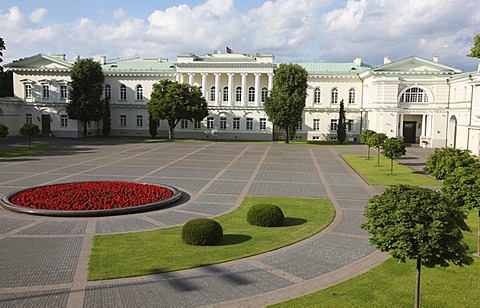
400 134
257 89
230 89
191 76
424 118
270 82
217 89
204 85
244 85
177 77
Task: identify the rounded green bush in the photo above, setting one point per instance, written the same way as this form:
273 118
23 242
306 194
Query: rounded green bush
265 215
202 231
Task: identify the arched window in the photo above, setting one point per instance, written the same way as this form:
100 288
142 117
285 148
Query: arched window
251 94
225 94
139 93
414 95
334 96
264 94
123 92
212 94
351 96
238 94
317 96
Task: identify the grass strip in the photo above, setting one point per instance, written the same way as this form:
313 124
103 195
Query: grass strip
14 151
380 176
392 284
150 252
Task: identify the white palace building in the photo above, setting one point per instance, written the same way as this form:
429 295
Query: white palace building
421 101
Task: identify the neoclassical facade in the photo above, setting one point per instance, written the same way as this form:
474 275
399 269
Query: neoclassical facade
421 101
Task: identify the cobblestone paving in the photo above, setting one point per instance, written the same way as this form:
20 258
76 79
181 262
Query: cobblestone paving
44 260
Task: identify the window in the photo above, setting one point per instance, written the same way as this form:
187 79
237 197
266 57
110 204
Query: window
351 96
251 94
139 121
223 123
63 92
184 124
123 92
249 124
333 124
28 118
107 91
264 94
238 94
300 125
225 94
64 120
334 96
317 96
28 91
123 120
414 95
196 124
46 91
263 123
212 94
350 125
139 93
236 123
316 124
210 123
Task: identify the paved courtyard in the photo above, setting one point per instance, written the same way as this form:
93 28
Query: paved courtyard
44 260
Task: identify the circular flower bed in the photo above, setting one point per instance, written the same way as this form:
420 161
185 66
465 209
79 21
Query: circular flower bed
90 198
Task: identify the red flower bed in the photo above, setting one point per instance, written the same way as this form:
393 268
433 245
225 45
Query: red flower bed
88 196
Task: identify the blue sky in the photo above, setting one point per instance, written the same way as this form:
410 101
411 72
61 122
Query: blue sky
293 30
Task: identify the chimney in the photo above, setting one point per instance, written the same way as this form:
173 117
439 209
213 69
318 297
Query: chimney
358 61
103 60
386 60
435 59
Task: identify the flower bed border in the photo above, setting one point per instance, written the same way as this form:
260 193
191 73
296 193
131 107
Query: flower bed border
6 204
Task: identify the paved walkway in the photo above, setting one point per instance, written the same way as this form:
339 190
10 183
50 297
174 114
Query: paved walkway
44 260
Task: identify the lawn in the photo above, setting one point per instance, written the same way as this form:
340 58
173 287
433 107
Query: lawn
13 151
380 176
392 285
143 253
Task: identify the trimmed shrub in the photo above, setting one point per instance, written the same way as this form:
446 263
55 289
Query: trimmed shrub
265 215
202 231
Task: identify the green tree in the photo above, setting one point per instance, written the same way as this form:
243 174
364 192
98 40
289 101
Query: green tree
376 140
364 139
285 103
29 130
86 103
173 101
393 148
2 47
152 126
445 160
342 125
3 130
6 84
106 118
421 224
475 50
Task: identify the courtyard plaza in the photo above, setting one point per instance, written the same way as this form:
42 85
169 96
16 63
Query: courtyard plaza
44 260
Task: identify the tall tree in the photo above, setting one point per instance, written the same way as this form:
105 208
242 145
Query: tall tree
364 139
342 125
173 101
393 148
284 106
85 98
475 50
421 224
29 130
376 140
152 126
106 118
445 160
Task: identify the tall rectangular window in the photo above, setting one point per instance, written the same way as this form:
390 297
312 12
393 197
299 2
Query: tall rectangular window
316 124
334 96
333 124
46 91
64 120
249 124
63 92
123 92
300 125
139 120
123 120
236 123
209 123
196 124
183 124
263 123
225 94
350 125
223 123
28 91
238 94
28 118
351 96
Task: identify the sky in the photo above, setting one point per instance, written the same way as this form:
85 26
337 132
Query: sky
293 30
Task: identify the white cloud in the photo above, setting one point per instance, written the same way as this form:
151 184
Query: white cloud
119 13
37 15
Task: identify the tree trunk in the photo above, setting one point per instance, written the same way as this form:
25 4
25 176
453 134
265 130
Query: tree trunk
368 155
85 129
287 137
378 157
170 133
478 235
391 166
417 283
